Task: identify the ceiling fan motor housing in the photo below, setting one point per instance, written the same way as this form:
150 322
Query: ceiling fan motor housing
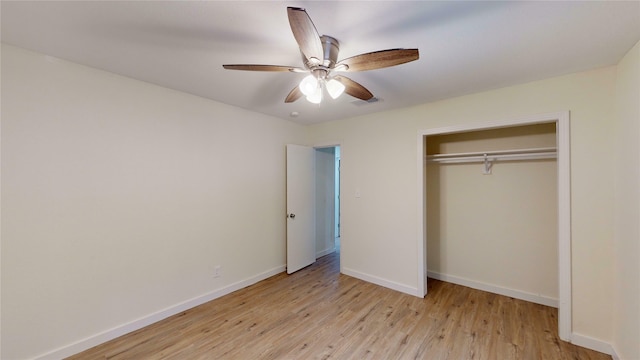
330 47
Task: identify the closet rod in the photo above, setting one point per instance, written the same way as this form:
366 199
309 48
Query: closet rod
519 154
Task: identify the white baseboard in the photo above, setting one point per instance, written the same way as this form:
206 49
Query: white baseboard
113 333
614 354
517 294
382 282
325 252
576 339
593 344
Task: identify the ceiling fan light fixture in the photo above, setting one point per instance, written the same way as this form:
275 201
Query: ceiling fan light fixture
309 85
315 97
335 88
320 58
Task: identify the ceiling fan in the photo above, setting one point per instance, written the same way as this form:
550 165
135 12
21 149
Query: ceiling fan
320 59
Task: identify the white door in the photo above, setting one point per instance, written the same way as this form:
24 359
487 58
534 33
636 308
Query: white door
301 217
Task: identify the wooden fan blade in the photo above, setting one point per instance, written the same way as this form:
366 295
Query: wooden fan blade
354 89
252 67
306 34
294 95
378 59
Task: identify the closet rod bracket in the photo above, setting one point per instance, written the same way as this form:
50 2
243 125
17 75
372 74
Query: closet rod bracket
488 165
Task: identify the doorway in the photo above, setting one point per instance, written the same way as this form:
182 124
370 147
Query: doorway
327 200
491 206
561 121
337 198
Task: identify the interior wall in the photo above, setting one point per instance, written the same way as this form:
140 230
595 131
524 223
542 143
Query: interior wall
380 228
499 229
120 197
112 194
325 203
627 209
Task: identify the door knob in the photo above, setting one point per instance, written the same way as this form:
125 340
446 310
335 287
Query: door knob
292 215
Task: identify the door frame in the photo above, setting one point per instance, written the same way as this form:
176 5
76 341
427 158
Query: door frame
329 145
561 119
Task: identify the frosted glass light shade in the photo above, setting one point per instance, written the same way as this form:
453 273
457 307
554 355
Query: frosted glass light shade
309 85
315 97
335 88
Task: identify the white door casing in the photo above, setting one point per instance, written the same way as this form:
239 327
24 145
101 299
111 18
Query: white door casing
563 138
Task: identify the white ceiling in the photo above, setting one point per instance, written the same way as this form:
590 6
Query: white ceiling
465 47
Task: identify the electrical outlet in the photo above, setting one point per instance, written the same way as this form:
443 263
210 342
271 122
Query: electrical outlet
216 271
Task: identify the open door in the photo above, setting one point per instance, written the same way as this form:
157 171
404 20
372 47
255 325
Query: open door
301 218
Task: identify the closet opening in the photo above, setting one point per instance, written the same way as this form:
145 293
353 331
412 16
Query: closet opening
492 211
495 209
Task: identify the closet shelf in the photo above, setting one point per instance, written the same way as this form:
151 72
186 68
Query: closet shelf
484 156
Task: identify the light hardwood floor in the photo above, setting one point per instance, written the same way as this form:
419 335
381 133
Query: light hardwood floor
318 313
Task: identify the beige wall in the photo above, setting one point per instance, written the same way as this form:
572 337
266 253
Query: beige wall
627 210
498 229
378 152
120 197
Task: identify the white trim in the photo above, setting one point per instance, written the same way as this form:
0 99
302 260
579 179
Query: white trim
381 282
422 224
0 241
137 324
614 354
325 252
528 120
564 203
326 144
564 226
593 344
517 294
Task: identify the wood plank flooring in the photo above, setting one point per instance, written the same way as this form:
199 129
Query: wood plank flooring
318 313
